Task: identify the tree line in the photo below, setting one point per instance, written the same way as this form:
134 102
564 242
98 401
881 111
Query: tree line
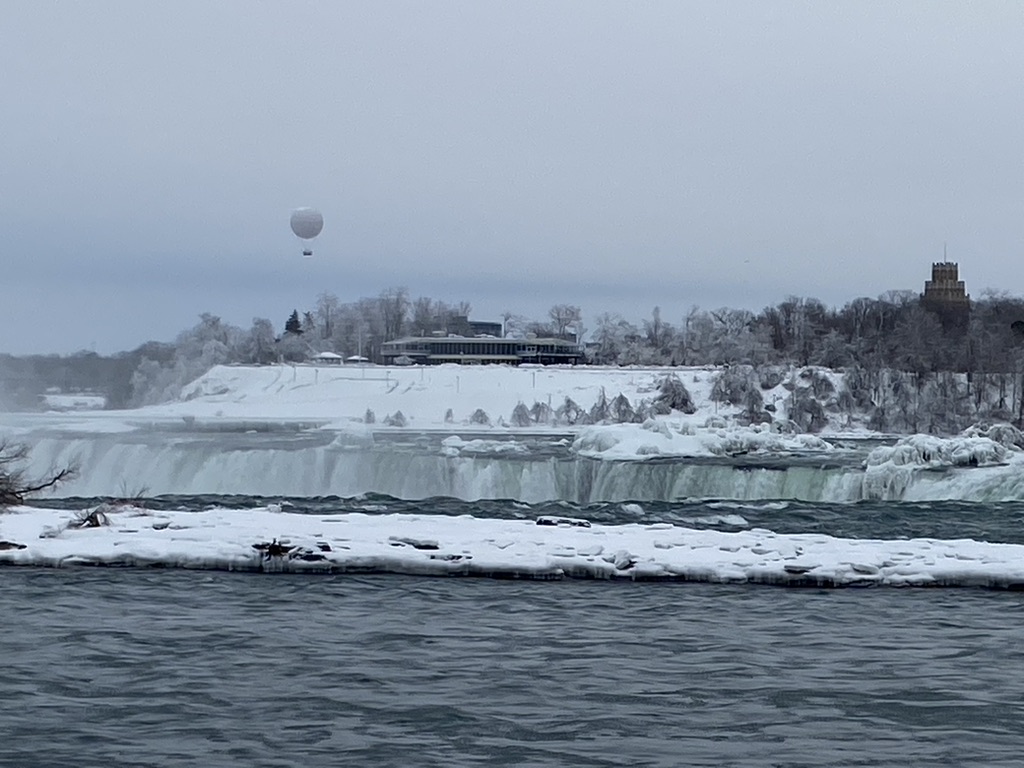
894 332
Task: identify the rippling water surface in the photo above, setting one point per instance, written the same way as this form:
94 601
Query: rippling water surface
153 667
998 521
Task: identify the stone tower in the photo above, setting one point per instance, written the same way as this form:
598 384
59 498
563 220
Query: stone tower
944 294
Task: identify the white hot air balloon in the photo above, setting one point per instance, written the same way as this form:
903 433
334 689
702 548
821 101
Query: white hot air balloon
307 223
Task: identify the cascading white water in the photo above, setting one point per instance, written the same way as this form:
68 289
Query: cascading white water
321 464
118 465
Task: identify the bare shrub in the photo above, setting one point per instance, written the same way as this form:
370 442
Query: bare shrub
16 485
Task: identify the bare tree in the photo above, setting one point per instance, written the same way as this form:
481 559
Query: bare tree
15 485
326 314
655 329
563 317
309 327
394 306
424 316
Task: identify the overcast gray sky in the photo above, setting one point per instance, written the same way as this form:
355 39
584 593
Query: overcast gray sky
614 155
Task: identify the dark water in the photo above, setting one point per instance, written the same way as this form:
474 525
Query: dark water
176 668
988 521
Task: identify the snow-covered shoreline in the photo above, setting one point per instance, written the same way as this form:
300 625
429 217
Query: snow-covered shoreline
267 539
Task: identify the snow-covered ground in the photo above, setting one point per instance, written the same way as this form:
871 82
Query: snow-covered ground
546 548
435 397
73 401
469 399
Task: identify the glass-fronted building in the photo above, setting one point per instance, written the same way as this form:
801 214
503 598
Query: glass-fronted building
432 350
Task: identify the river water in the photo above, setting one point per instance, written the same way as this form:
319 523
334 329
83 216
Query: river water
164 667
152 667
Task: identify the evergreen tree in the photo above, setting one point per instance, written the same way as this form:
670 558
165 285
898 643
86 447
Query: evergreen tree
293 324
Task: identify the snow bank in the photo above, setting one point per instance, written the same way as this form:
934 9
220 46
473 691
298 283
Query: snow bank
659 438
456 446
73 402
632 441
934 452
452 397
438 397
1006 435
889 470
429 397
266 539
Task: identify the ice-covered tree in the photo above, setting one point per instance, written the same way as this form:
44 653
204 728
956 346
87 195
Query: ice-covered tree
673 396
615 339
209 343
259 343
514 325
521 416
658 333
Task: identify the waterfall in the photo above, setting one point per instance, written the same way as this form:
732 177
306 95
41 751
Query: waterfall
127 465
315 464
